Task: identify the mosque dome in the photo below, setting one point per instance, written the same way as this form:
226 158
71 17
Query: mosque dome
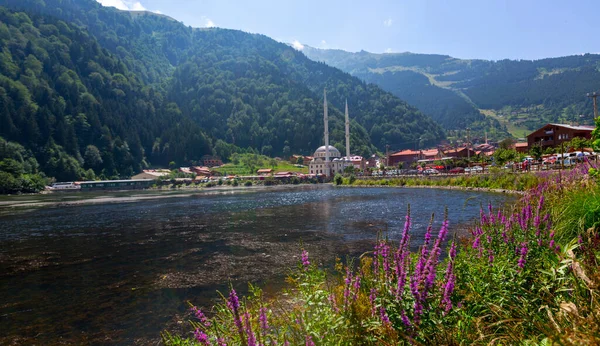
333 152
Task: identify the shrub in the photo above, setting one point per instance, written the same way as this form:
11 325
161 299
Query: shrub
338 179
248 183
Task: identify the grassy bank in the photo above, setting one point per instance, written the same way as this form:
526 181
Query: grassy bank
497 180
526 274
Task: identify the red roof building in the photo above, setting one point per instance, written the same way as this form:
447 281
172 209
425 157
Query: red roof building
404 156
553 135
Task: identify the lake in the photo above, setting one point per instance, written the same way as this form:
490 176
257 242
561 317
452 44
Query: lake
120 270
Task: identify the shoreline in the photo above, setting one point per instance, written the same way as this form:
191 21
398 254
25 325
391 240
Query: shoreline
446 187
137 195
150 194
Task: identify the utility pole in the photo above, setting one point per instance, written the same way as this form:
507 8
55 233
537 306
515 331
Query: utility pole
387 155
593 96
468 144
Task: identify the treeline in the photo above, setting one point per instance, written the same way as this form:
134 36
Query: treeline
78 107
555 87
97 92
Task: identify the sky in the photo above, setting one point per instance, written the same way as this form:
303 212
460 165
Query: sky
484 29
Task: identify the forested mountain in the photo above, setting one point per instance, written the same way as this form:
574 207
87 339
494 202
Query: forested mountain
88 87
525 93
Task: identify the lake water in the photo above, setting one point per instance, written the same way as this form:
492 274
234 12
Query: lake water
120 273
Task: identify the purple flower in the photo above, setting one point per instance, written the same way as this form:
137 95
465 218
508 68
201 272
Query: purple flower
199 315
249 332
305 261
372 299
221 342
233 303
449 281
262 318
201 337
309 341
383 315
333 302
356 287
523 257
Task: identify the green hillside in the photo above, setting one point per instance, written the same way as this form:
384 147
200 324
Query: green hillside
523 94
113 92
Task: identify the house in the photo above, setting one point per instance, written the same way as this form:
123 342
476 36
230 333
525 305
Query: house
553 135
186 170
404 156
265 171
153 174
462 152
211 161
521 147
201 171
357 161
431 154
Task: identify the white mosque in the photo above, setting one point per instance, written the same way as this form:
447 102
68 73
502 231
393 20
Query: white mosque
327 159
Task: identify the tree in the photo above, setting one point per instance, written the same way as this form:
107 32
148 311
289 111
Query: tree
338 180
300 160
536 152
502 156
579 143
506 143
92 157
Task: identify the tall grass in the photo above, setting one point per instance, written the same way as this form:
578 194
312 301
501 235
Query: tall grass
498 180
526 274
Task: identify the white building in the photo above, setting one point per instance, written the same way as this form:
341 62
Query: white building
327 159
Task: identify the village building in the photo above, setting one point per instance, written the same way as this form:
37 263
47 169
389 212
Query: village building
151 174
264 171
521 147
211 161
553 135
201 171
462 152
406 157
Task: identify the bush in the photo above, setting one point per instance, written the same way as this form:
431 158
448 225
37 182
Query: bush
248 183
235 182
338 180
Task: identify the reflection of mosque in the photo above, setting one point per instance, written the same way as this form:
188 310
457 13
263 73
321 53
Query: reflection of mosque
327 159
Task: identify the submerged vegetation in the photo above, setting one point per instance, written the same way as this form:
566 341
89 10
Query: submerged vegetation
522 274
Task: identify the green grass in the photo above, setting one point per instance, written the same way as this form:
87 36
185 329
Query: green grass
516 131
241 169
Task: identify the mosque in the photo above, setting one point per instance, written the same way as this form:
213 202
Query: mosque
327 159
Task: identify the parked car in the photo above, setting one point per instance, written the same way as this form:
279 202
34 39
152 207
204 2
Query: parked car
431 171
476 169
413 171
457 170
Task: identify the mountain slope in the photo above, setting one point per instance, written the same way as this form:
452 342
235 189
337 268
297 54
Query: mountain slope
523 92
234 91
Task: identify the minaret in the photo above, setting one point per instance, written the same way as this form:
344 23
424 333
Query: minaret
326 120
347 133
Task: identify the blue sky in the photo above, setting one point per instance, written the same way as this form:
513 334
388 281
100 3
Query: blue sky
486 29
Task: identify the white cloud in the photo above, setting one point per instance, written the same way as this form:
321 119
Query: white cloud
324 44
125 5
389 50
157 12
388 22
297 45
207 22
